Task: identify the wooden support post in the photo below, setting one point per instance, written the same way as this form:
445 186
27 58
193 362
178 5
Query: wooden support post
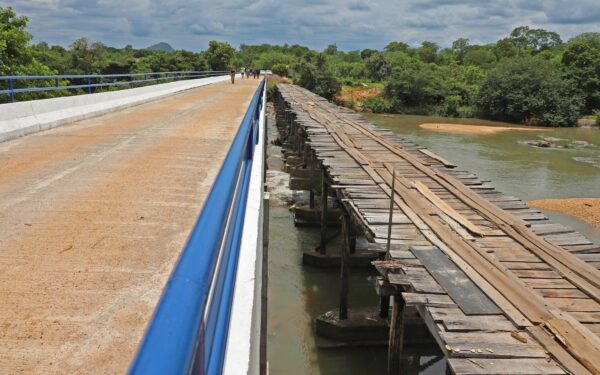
344 267
396 343
391 217
351 238
384 306
311 201
323 248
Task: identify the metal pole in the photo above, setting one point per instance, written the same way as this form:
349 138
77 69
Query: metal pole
11 91
89 82
391 217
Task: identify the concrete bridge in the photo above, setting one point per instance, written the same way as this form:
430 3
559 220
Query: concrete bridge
99 194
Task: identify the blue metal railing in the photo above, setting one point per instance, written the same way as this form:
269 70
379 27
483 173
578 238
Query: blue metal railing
188 332
90 82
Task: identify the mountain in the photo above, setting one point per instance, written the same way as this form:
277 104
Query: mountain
161 47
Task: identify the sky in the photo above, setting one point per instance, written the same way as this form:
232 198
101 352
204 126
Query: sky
353 24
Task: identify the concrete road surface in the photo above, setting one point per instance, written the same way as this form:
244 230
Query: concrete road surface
93 216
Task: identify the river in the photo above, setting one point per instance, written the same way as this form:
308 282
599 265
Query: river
298 294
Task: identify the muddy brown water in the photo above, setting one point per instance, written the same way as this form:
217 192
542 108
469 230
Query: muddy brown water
298 294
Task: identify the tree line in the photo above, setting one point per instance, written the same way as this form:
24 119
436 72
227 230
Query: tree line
531 76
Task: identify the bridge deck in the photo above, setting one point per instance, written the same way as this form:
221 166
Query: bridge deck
498 285
93 216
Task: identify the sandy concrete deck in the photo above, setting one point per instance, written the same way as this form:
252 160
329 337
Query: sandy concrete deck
93 216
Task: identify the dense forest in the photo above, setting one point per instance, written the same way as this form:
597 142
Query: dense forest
531 76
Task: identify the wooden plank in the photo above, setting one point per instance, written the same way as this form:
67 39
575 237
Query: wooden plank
435 300
562 293
459 287
560 354
445 208
575 304
586 317
513 366
537 274
549 284
422 282
489 323
526 266
491 345
594 327
576 343
438 158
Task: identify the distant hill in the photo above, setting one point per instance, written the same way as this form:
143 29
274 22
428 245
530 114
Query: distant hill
161 47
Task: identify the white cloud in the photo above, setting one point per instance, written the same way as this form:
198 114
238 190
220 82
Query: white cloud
354 24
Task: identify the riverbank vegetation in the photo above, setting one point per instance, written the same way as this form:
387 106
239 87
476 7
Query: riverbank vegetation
531 76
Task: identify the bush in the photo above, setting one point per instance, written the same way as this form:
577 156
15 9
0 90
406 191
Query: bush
321 82
531 91
597 114
271 90
377 104
451 106
280 69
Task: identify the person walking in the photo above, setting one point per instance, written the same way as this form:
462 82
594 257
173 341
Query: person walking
232 74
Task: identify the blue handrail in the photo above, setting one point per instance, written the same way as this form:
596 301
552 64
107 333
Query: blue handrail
55 80
188 332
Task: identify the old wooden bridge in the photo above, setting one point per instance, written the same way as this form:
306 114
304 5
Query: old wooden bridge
501 289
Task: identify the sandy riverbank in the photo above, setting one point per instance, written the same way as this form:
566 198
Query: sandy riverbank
473 129
586 209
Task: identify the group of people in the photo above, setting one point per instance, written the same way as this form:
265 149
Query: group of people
255 73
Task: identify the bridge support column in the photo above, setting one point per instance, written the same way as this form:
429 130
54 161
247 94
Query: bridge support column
396 341
323 247
344 267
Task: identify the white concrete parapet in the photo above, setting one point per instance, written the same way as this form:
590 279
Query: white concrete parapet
22 118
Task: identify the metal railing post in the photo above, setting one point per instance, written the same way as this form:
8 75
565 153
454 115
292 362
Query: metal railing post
89 83
11 89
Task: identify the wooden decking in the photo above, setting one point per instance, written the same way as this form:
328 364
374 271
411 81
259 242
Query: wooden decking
501 288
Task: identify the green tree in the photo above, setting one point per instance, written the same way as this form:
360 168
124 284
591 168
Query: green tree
528 90
417 89
377 66
396 47
366 53
428 52
526 38
331 49
219 55
459 47
582 65
280 70
319 81
14 42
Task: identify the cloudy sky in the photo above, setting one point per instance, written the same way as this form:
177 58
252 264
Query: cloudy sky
353 24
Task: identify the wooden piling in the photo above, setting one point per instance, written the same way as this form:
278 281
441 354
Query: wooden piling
323 247
344 267
396 343
391 216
